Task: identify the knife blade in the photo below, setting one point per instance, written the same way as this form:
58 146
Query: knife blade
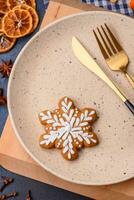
86 59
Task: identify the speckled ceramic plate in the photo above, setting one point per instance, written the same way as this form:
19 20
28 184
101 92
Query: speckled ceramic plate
47 70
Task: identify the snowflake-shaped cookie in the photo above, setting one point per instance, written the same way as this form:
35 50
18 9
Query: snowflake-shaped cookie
68 128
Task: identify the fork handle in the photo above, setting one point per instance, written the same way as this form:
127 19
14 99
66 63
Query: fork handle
130 79
129 105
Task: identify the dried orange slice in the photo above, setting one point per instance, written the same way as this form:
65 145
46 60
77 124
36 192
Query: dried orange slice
131 4
17 23
1 17
6 43
3 6
13 3
33 14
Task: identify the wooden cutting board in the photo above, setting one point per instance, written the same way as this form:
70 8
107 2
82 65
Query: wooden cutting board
14 158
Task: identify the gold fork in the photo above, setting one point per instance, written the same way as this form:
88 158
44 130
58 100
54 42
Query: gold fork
116 58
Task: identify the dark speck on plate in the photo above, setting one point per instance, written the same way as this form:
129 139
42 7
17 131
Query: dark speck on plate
98 105
25 92
27 72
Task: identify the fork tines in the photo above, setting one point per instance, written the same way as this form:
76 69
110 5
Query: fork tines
107 42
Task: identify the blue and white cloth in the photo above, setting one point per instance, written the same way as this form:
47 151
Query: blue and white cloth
46 2
121 6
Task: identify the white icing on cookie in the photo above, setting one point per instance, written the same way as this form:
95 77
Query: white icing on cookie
68 127
66 105
92 112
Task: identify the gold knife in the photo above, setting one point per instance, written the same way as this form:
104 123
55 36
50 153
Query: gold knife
85 59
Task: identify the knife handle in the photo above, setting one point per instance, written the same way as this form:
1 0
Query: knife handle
129 105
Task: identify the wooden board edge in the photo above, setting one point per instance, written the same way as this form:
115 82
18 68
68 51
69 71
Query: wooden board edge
99 193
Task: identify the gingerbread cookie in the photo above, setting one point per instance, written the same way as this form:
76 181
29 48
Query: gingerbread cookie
68 128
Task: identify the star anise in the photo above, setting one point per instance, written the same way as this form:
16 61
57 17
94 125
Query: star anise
3 99
5 68
28 197
5 181
3 196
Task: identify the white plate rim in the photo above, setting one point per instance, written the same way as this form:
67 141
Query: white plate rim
10 109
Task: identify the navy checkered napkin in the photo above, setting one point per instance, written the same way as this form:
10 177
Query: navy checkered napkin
121 6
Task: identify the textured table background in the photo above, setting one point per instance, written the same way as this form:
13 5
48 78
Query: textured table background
40 191
21 184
